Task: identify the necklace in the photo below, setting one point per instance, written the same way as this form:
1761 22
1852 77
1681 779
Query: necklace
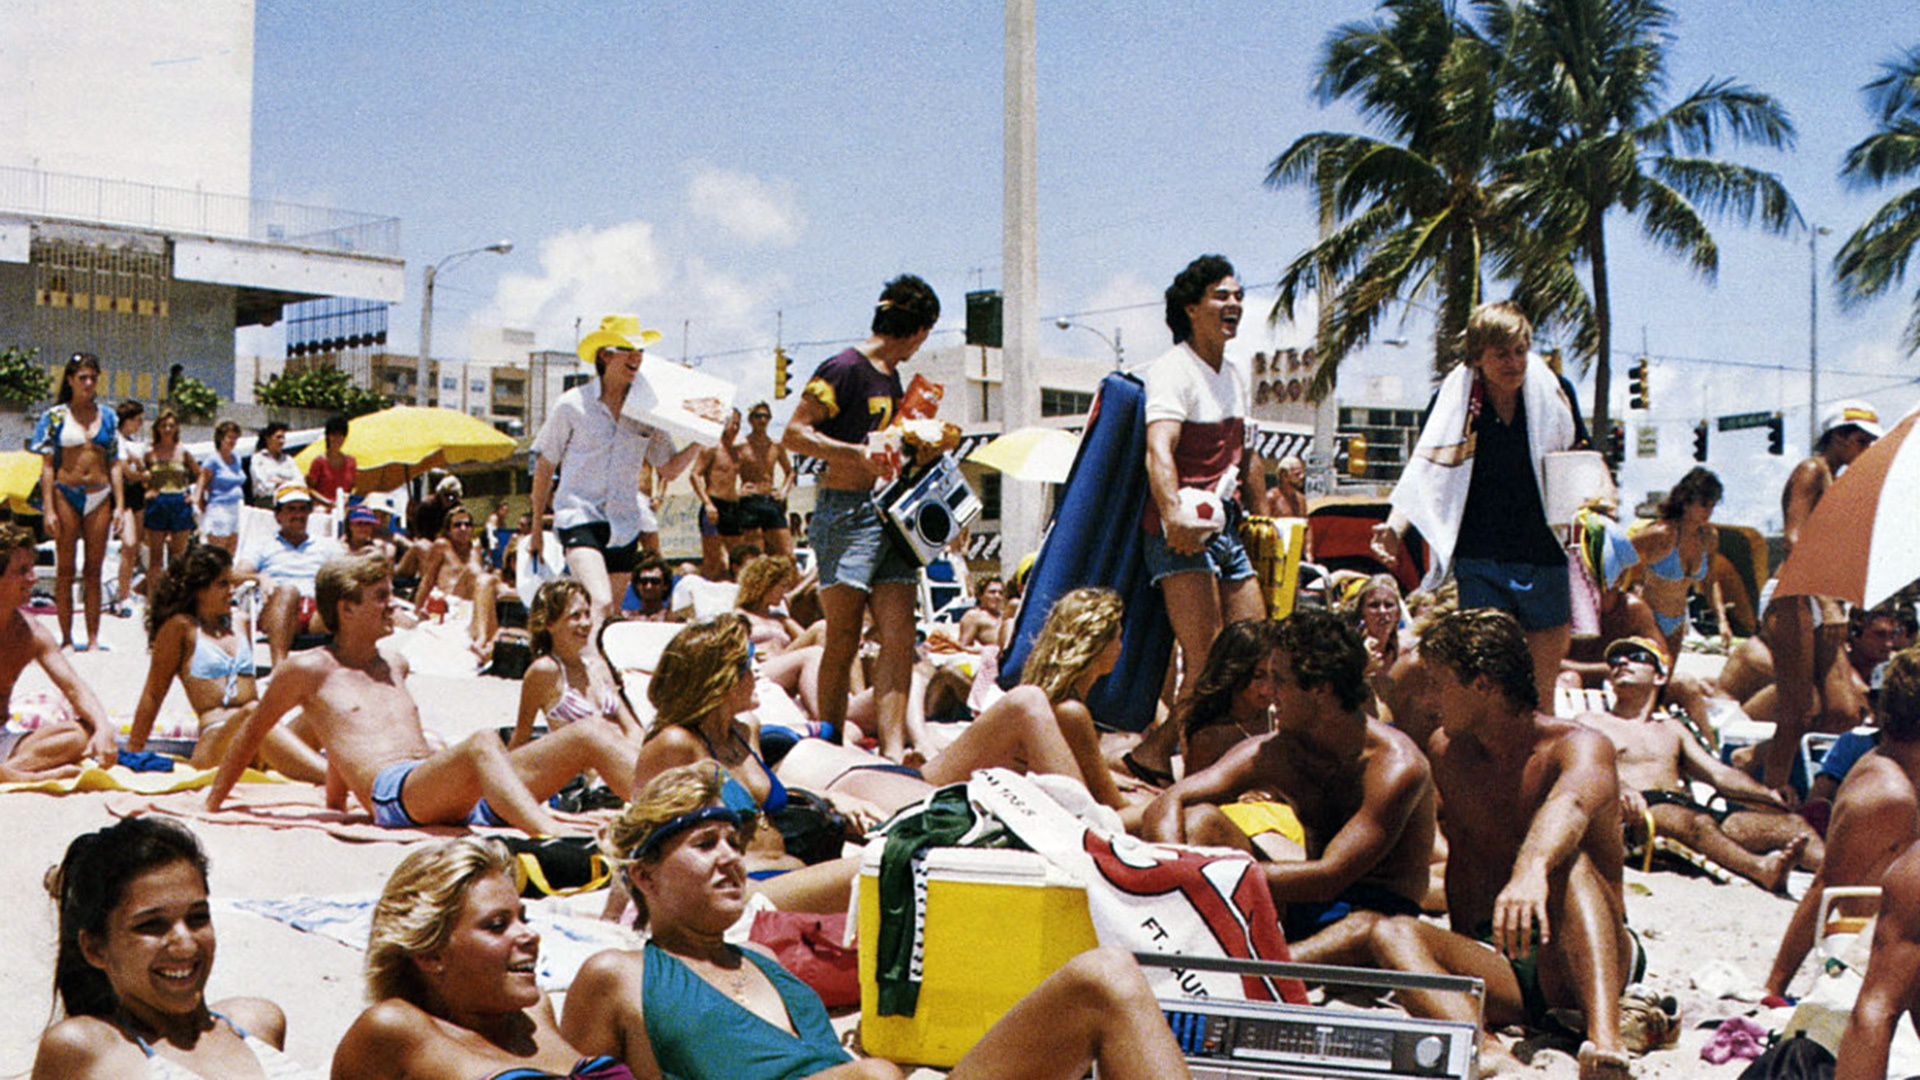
1264 728
737 983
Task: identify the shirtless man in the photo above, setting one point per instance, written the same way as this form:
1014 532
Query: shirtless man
1893 975
1805 633
54 750
1654 751
1840 701
763 503
1362 790
462 574
980 626
1533 824
716 483
354 695
1875 816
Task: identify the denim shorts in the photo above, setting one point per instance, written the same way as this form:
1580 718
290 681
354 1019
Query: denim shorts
1536 595
852 546
1223 556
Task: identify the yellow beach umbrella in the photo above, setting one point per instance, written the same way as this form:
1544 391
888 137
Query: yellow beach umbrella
1032 453
394 445
19 476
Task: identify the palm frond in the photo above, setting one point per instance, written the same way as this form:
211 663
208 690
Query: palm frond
1874 259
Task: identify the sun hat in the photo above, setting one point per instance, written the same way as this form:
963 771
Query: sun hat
1628 644
361 513
616 332
1852 414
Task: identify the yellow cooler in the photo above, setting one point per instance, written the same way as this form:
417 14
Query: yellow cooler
998 923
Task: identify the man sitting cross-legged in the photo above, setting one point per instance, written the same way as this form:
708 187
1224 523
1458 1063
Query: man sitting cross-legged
70 730
355 698
1653 753
1362 791
1533 826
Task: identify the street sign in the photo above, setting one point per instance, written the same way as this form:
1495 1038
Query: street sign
1746 420
1648 441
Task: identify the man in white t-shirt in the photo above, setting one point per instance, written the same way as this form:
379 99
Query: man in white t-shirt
1196 442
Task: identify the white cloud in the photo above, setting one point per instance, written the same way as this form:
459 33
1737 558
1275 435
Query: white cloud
745 206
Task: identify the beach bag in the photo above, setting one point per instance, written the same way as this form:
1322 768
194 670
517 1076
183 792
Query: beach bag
814 831
1797 1058
810 947
556 865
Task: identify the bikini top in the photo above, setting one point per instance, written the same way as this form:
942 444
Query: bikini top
604 1067
1672 569
53 434
168 477
209 661
277 1065
734 794
574 705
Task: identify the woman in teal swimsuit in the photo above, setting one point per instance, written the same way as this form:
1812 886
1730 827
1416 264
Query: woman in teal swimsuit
136 951
79 488
694 1007
191 634
451 969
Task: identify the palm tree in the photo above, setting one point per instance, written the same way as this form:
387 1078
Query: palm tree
1410 214
1874 259
1588 79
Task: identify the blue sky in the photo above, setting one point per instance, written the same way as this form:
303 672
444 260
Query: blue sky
707 166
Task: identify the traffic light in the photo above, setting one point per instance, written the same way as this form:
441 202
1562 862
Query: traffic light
1357 456
1700 441
1617 444
1637 384
780 389
1776 436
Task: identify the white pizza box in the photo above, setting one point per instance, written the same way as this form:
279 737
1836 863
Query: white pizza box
663 392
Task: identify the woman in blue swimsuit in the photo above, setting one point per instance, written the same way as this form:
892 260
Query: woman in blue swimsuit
191 635
692 1006
452 970
1674 551
79 488
136 951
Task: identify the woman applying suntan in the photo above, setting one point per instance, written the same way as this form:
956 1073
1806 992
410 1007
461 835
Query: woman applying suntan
567 681
80 489
169 514
193 637
451 969
136 951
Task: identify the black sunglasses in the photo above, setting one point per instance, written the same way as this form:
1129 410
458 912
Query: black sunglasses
1635 656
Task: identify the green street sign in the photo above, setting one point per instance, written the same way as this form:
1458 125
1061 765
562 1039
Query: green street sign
1746 420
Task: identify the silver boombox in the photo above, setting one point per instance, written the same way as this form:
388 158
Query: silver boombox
927 508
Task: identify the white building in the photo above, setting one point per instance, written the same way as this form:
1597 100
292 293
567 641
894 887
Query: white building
127 225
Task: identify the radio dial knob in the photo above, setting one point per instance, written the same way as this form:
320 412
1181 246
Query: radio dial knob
1426 1052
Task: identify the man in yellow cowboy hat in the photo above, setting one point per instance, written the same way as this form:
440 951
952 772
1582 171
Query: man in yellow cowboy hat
598 511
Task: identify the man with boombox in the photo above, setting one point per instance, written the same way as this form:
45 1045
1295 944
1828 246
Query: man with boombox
848 402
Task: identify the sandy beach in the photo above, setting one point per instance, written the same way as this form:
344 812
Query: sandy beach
1688 924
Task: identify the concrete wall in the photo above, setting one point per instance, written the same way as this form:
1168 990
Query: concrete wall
197 332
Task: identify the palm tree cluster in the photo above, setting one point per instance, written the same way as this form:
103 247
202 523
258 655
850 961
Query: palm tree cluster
1506 135
1874 259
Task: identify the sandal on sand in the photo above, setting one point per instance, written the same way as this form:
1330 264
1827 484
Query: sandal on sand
1596 1064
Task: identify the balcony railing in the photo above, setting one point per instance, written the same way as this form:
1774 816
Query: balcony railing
125 203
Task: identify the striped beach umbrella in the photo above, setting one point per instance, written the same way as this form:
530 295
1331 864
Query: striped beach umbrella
1862 542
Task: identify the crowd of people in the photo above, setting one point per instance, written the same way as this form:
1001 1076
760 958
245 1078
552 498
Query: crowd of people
1446 782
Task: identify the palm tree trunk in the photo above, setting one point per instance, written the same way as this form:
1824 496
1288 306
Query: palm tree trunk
1603 325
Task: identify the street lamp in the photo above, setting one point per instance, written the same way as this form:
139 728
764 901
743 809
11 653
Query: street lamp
1113 342
1814 233
423 371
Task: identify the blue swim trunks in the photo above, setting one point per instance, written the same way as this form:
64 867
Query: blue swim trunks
389 812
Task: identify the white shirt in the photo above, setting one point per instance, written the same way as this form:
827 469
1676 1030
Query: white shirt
286 564
270 472
599 456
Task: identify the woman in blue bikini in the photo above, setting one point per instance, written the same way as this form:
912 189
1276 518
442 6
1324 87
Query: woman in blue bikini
79 487
192 635
1674 551
692 1006
136 950
451 968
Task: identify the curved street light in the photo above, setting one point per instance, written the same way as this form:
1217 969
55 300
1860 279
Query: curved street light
423 370
1113 342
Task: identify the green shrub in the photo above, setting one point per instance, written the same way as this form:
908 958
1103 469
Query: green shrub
193 399
22 380
328 389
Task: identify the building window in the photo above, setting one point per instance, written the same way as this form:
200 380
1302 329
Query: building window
990 496
1064 402
568 382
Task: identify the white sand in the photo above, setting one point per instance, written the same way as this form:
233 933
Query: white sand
1687 924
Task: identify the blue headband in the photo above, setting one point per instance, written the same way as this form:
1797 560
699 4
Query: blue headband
673 827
